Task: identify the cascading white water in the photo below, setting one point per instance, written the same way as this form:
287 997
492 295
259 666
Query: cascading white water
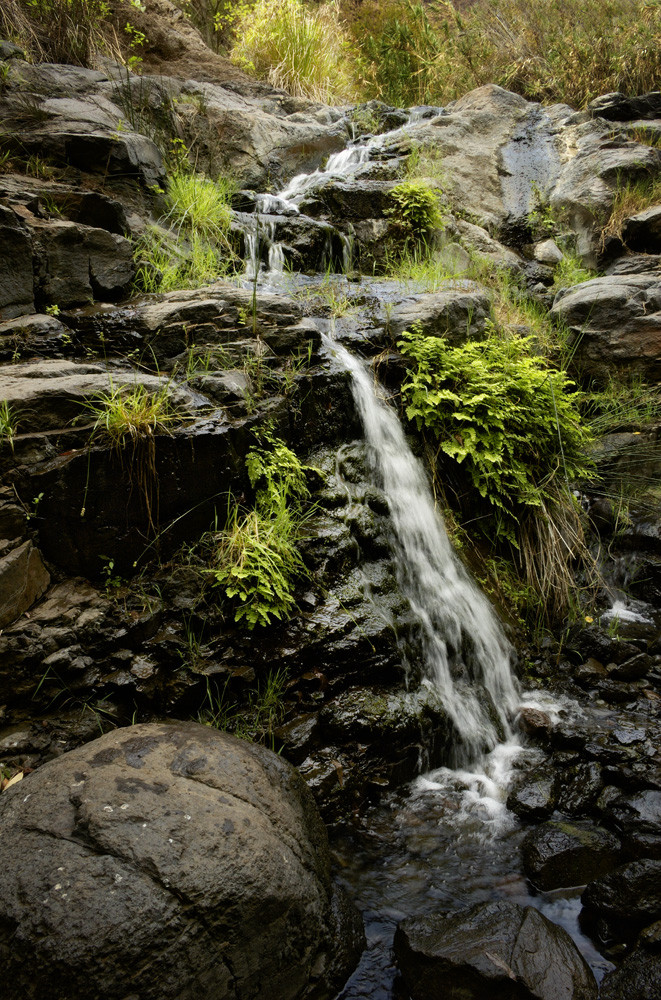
464 650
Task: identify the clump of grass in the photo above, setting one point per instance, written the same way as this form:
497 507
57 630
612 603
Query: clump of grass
127 414
425 162
419 265
645 135
198 248
570 271
129 417
631 197
8 424
623 404
302 49
197 204
254 719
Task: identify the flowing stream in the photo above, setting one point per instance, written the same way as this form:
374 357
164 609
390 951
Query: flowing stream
448 840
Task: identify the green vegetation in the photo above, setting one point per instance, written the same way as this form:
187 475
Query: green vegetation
197 249
417 211
300 48
8 424
546 51
255 720
61 31
129 414
511 428
570 271
631 197
499 410
255 558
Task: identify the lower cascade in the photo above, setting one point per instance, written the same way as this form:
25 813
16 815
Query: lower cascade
464 650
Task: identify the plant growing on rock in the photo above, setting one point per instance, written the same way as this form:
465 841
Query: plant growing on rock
511 427
8 424
255 557
59 31
631 196
129 417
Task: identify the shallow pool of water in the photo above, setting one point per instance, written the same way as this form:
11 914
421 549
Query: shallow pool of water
419 851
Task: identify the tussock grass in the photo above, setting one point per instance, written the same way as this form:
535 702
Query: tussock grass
301 48
129 414
8 424
59 31
197 204
551 50
631 197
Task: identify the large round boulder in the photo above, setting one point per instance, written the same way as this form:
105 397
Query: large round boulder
492 951
169 862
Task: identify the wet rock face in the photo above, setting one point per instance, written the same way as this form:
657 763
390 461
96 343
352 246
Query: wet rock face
169 861
493 951
558 854
629 897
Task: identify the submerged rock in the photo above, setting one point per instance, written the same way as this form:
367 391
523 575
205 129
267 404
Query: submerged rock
492 951
169 861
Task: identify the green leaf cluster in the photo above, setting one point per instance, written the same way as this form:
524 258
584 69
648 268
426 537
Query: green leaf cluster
417 209
257 561
501 413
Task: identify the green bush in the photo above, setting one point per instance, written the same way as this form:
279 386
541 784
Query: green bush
503 415
256 558
303 49
417 211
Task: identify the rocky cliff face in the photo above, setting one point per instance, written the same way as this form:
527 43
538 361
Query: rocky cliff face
81 181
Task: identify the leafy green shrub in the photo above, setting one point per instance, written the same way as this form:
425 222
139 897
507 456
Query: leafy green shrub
256 558
303 49
416 211
501 413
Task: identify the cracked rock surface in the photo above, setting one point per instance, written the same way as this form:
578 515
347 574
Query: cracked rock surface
169 861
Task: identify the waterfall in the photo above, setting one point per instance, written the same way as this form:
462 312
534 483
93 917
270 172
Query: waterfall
464 650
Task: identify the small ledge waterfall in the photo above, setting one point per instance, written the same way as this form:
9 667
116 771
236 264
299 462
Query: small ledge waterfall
466 656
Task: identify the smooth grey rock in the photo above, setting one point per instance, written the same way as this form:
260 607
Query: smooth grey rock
548 252
47 394
10 51
616 322
558 854
79 263
170 862
492 951
630 895
456 313
634 264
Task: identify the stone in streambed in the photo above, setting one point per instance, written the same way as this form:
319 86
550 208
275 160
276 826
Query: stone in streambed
557 854
630 896
535 799
638 978
169 862
492 951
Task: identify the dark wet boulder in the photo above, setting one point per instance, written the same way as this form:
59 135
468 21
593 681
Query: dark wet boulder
492 951
637 818
535 798
16 279
638 978
579 787
629 897
621 108
169 861
642 232
557 854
